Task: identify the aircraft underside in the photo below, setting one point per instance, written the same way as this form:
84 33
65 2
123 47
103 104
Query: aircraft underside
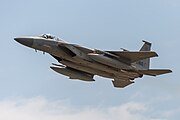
82 63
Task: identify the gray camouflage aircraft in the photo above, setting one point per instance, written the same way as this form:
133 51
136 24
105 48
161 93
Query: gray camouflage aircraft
83 63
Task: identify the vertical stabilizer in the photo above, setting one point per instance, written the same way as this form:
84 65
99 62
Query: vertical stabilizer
144 64
146 46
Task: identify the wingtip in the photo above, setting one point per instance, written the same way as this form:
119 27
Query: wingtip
156 55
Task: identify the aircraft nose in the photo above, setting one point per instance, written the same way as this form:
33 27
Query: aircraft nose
25 41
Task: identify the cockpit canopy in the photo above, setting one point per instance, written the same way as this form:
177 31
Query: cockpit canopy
48 36
51 37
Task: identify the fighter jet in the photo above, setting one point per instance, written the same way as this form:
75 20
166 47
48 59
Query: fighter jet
83 63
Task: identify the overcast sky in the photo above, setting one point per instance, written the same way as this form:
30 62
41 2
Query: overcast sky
30 90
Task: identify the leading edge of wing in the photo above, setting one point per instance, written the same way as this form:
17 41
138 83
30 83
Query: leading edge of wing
134 56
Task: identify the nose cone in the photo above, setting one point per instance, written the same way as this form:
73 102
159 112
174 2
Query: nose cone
25 41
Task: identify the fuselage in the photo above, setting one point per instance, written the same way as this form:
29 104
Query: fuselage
82 63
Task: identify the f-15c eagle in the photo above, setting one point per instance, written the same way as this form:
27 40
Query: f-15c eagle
83 63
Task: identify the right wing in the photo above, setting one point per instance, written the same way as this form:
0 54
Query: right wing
134 56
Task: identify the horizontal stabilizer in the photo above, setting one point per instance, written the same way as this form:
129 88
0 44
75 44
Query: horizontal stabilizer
134 56
155 72
121 83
